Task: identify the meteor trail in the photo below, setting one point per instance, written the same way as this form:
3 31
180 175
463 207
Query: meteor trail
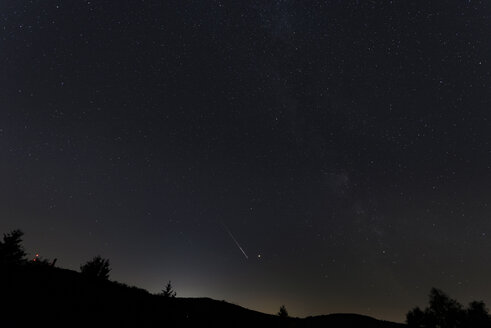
235 240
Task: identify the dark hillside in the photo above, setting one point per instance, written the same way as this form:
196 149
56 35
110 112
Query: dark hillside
36 294
348 320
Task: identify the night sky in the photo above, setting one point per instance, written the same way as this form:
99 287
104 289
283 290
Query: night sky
332 156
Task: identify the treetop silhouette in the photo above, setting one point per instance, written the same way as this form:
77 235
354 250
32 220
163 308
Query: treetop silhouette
168 291
283 313
444 312
11 250
98 267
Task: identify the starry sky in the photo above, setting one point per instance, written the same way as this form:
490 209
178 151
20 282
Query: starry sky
332 156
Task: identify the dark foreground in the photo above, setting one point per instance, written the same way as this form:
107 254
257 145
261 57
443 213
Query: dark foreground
35 295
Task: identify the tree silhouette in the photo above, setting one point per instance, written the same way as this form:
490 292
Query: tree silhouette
477 315
444 312
168 291
96 268
11 250
283 313
415 318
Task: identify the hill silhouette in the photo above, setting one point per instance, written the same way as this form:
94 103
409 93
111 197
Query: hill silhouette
40 294
36 293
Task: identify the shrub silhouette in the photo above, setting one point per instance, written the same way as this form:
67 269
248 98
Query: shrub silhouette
168 291
444 312
283 313
96 268
11 250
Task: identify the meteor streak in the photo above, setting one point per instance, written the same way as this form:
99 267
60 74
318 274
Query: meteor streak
235 240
